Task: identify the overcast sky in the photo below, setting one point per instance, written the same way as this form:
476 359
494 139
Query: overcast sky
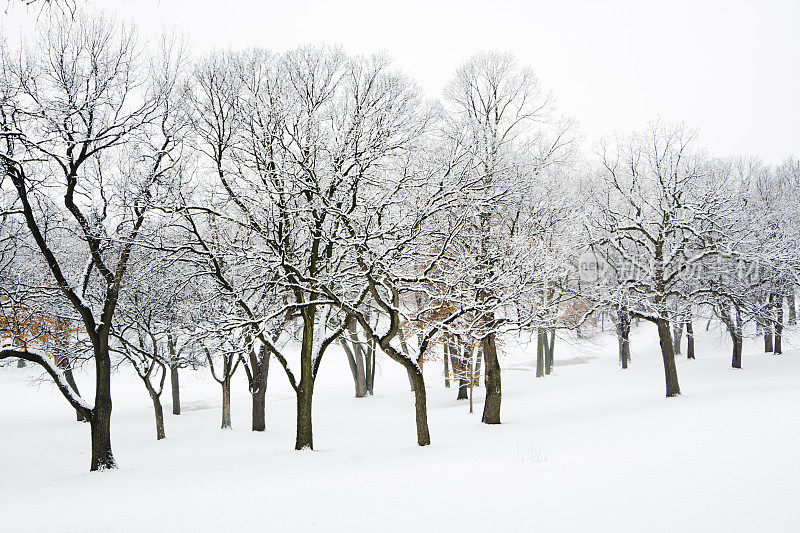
730 68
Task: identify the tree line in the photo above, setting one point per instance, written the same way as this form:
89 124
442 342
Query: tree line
254 209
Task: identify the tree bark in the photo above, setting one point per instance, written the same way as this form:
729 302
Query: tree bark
668 356
689 336
226 401
736 359
549 350
369 367
540 341
790 304
420 406
778 348
102 456
677 333
176 389
305 435
446 351
159 414
623 336
259 394
491 404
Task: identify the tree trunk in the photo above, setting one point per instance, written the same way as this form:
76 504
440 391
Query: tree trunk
689 336
420 405
369 367
226 401
159 415
446 352
176 389
259 394
677 333
491 405
102 456
549 351
540 341
778 348
736 360
623 336
790 304
768 348
71 381
478 363
670 371
305 436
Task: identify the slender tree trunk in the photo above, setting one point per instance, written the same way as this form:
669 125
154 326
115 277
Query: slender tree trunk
478 362
670 371
358 356
623 336
226 401
767 325
689 336
446 352
71 381
549 350
491 405
736 359
471 380
677 333
369 367
159 414
540 341
790 303
778 348
175 385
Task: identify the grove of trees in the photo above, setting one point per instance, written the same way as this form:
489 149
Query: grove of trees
253 211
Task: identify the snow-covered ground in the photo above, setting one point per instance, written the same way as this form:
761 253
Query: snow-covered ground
589 448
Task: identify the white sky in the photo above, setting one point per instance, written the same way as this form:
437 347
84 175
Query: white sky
730 68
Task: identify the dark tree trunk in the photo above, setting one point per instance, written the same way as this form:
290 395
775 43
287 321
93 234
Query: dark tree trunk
462 388
767 326
71 381
689 336
176 389
540 342
778 348
259 394
420 405
736 359
226 401
670 371
102 456
491 405
790 303
369 369
623 336
768 348
677 333
159 414
305 434
446 352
